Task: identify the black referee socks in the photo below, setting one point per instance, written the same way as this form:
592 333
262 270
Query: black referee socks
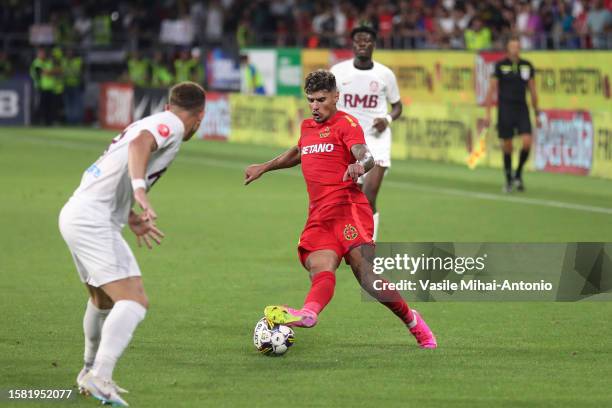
522 159
508 167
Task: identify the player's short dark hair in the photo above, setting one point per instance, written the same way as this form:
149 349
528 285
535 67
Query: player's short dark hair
187 95
320 80
363 29
511 38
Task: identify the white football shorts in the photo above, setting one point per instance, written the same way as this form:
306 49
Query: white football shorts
380 147
98 249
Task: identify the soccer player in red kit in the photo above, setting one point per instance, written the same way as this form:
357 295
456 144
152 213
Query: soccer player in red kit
334 154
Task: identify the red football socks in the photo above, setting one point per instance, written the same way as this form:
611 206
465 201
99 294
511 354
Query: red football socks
321 291
394 301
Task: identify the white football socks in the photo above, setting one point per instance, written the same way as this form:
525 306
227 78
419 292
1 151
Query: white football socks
92 328
376 216
116 335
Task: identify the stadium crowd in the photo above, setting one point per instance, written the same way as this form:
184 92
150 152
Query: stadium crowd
164 41
405 24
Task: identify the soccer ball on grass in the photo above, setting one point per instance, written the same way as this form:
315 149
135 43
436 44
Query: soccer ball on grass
272 339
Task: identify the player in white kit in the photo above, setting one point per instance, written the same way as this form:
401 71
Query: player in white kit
91 224
366 87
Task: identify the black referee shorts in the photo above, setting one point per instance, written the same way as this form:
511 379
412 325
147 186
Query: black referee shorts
512 120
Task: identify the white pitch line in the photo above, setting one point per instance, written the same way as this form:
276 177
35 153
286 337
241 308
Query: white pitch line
497 197
391 183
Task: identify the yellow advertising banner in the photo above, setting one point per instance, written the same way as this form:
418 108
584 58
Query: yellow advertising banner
573 79
265 120
432 76
435 132
564 79
313 59
423 76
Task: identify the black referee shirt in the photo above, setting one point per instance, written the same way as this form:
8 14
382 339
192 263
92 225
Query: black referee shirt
512 80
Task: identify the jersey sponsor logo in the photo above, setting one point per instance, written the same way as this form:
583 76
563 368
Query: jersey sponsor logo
163 130
525 72
505 69
350 232
351 121
94 170
318 148
365 101
374 86
325 133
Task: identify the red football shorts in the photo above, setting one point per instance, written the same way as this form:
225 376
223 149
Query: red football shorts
339 227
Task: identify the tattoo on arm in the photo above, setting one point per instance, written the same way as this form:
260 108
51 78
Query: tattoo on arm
363 156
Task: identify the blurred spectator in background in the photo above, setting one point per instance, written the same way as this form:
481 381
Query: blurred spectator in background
251 81
138 69
243 31
280 12
547 14
445 27
188 67
599 23
73 87
102 31
46 72
529 26
477 37
36 69
461 21
563 30
214 22
161 76
57 73
6 68
324 26
385 23
405 26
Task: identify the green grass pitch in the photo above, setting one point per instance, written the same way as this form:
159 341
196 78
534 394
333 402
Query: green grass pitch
230 250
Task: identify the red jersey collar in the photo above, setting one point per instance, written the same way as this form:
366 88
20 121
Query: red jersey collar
310 122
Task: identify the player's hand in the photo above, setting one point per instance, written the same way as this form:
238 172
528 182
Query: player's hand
380 124
538 121
140 196
253 172
353 172
145 230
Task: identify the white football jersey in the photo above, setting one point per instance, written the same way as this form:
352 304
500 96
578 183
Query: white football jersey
107 182
365 93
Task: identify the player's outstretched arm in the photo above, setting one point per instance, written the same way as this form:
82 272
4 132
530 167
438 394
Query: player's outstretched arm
290 158
364 163
139 151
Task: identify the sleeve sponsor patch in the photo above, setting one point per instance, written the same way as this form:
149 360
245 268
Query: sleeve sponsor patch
163 130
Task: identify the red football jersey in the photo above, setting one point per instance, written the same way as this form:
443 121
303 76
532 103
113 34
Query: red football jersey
326 153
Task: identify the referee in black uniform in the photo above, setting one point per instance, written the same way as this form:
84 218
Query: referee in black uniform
511 78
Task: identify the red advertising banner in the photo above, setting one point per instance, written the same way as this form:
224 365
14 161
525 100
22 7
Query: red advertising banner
116 105
217 118
564 142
